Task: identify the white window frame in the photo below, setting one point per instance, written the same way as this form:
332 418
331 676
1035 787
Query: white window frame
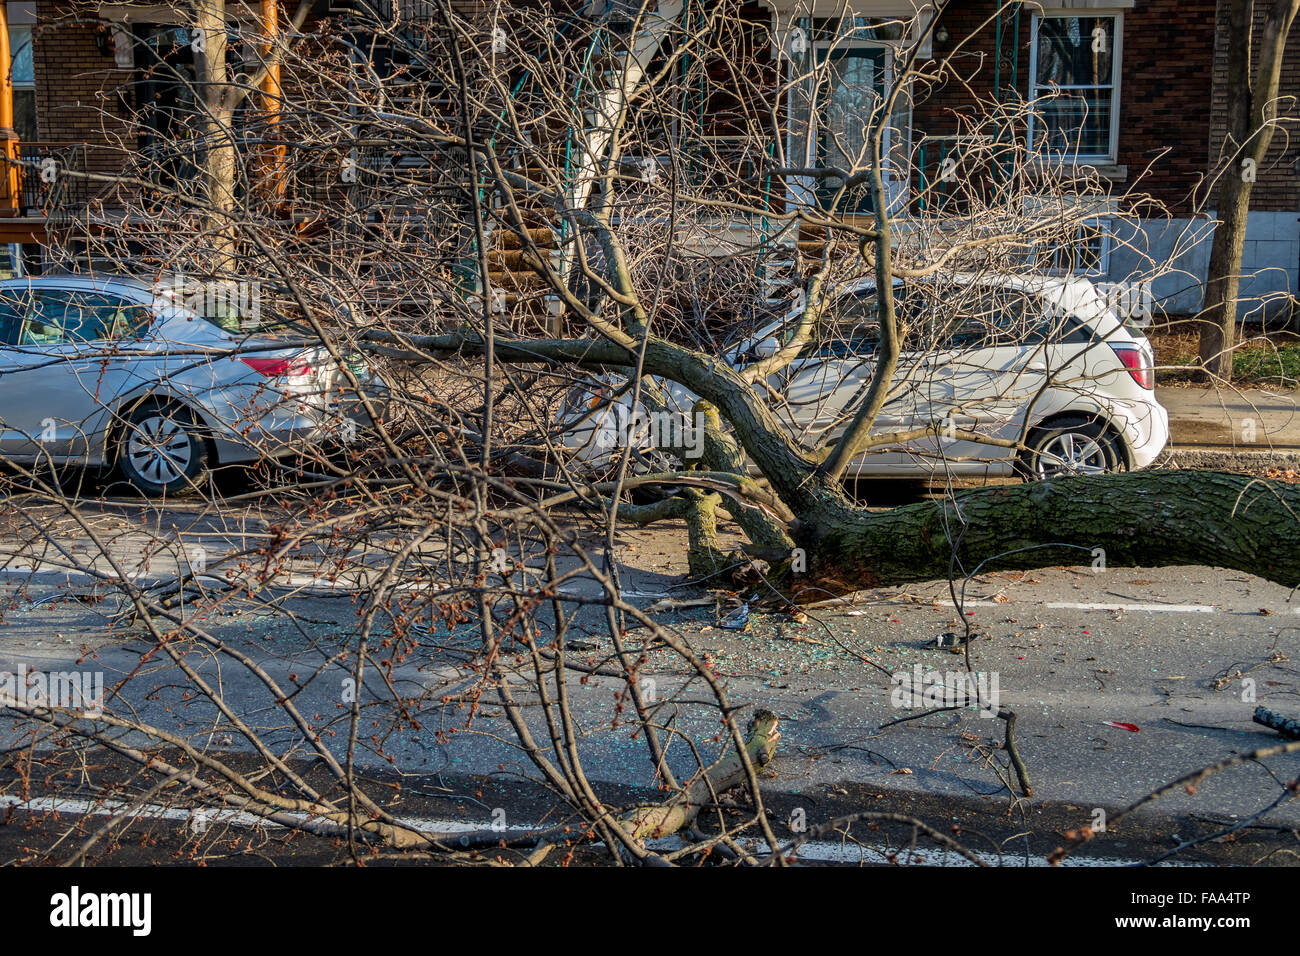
1103 227
22 18
1117 72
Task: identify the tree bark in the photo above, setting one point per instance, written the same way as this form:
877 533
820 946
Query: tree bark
646 823
1288 727
219 156
1147 519
1251 110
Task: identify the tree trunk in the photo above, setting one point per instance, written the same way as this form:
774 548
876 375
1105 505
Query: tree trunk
596 146
1251 111
663 820
1219 313
1288 727
1147 519
219 158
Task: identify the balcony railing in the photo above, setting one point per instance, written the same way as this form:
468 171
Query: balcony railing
403 11
51 180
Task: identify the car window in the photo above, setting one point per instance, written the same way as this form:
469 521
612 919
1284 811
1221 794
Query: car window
933 318
929 318
999 317
127 320
44 318
920 318
65 316
11 319
852 327
1069 330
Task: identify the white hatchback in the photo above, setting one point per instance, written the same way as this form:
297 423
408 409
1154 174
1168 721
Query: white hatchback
1038 362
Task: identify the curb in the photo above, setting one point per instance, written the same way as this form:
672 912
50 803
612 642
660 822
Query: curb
1226 459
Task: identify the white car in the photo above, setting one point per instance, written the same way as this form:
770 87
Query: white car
1042 362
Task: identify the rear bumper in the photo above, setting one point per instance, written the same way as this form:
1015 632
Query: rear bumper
292 429
1146 431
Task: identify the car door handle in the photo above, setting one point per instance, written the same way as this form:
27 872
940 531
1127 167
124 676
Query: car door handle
1036 367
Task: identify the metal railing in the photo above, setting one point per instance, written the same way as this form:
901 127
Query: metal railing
51 179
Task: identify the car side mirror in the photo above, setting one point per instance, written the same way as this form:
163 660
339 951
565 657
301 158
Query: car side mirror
765 349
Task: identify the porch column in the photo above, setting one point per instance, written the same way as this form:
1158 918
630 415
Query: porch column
273 157
9 198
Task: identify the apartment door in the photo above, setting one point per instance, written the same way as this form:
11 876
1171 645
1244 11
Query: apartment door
851 89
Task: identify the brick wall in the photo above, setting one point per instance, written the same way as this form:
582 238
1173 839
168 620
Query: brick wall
1165 88
1277 186
77 87
1164 96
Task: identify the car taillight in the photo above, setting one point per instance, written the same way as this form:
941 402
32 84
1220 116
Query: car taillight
1135 362
278 367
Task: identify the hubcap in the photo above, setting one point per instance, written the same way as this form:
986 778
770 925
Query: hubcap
159 449
1071 453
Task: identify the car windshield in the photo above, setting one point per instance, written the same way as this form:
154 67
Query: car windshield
11 319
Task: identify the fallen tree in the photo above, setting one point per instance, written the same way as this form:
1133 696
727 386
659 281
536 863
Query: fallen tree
787 489
493 283
1140 519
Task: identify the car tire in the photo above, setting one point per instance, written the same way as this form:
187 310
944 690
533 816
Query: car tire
160 450
1072 445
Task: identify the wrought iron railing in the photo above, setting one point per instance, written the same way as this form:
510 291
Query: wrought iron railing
51 179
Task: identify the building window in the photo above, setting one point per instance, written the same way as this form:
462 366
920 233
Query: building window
24 82
1088 255
1074 81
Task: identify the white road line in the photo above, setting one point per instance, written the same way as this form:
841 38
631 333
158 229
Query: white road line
295 580
212 815
1138 608
823 850
1073 606
1155 608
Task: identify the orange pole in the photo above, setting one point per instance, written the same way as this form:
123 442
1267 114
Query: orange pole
9 198
274 157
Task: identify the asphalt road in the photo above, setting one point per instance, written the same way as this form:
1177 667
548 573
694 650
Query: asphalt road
1183 655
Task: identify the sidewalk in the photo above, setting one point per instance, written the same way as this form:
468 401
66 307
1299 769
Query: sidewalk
1245 420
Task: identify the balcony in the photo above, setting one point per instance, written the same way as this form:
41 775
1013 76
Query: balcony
45 188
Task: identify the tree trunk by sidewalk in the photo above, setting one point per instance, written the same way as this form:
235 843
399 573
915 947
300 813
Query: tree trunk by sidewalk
1251 112
1146 519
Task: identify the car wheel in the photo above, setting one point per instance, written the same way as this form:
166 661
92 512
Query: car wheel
160 450
1070 446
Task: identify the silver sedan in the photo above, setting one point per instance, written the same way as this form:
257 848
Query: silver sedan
113 372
